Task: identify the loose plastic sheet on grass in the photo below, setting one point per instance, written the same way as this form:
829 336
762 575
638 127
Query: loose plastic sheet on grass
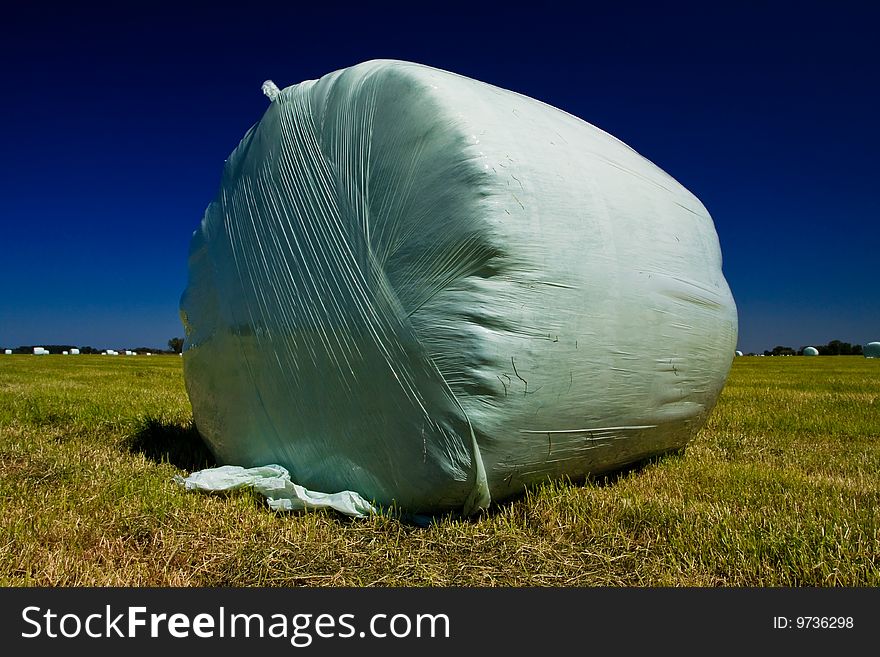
273 482
434 292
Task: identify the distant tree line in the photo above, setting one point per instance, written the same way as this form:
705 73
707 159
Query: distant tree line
838 348
59 348
779 350
833 348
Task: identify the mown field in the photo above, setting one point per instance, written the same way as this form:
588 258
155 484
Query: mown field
782 488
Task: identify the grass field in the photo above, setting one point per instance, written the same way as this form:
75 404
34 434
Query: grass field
781 488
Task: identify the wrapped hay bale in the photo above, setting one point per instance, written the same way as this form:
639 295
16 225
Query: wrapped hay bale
434 292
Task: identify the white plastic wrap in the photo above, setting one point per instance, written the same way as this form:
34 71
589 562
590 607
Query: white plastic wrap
434 292
811 351
273 482
872 350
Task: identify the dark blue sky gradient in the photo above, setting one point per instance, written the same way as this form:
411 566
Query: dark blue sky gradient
116 123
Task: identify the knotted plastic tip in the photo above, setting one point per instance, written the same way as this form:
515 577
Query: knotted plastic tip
271 90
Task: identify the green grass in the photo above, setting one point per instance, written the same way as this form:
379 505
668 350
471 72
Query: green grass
781 488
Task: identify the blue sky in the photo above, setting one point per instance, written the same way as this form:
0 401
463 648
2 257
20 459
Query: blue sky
117 123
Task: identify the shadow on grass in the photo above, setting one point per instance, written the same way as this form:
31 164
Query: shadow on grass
611 477
181 446
605 478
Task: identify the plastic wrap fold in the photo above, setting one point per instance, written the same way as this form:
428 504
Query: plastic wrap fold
273 482
435 292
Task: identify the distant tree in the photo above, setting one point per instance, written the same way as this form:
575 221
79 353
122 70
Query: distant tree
779 350
839 348
58 348
830 349
176 345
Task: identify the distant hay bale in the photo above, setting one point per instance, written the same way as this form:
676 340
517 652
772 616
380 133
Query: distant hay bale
811 351
872 350
738 352
74 352
40 351
64 353
8 352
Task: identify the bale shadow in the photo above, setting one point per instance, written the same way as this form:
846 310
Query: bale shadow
179 445
605 478
611 477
